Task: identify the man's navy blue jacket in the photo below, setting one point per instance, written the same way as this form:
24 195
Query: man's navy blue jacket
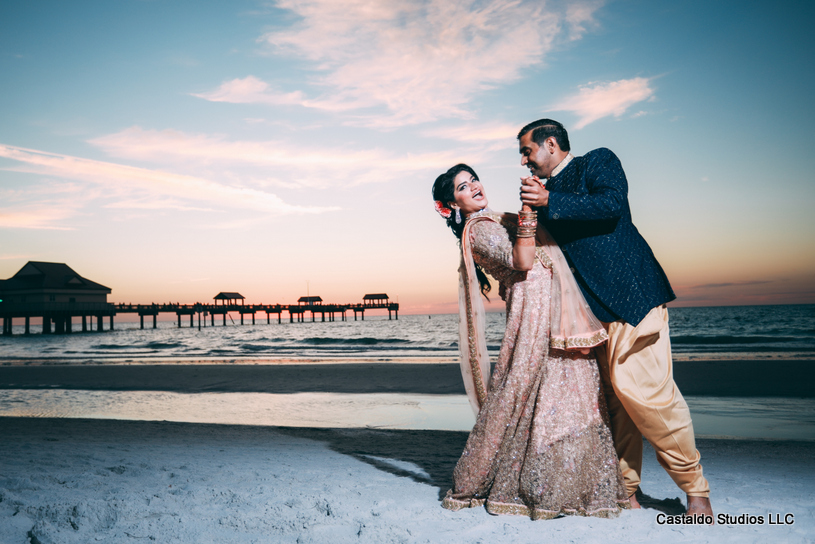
589 217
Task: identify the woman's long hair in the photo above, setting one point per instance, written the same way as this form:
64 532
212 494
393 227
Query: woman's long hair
444 192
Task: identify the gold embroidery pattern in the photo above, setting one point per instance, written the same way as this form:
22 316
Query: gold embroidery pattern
563 164
511 509
480 388
572 343
543 257
457 504
509 222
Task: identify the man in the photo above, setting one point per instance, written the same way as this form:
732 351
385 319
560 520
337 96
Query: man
584 204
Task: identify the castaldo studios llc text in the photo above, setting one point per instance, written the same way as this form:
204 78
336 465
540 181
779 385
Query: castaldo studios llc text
726 519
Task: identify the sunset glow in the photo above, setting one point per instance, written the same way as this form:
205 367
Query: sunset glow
172 150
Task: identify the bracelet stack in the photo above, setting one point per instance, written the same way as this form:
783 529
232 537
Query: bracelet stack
527 224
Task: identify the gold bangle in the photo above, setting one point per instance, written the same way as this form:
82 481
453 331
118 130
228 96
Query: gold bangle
527 223
527 231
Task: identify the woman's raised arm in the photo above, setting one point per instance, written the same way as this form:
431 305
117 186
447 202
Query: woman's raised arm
523 252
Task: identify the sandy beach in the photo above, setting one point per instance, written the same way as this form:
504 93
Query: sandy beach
79 481
86 480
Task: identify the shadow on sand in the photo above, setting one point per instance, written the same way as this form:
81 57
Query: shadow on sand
427 457
424 456
672 507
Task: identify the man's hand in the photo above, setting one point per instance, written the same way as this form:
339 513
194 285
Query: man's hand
533 193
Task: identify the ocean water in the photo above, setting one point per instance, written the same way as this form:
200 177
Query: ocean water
739 332
719 333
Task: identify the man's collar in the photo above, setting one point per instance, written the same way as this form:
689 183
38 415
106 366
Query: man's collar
563 164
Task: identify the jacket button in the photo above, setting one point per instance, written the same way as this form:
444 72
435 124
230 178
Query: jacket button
555 216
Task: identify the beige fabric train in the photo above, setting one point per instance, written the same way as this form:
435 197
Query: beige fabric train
643 400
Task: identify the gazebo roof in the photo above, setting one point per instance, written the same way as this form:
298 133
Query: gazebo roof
224 295
43 275
377 296
310 299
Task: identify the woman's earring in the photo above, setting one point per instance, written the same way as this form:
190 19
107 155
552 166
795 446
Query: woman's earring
458 216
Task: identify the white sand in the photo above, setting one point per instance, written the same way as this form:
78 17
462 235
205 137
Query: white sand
79 481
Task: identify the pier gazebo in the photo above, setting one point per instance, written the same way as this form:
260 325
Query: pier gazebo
55 293
229 298
377 299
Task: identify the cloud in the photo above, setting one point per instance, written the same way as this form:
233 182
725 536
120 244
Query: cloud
595 101
420 61
294 165
731 284
33 217
580 16
155 204
480 132
45 206
129 181
251 90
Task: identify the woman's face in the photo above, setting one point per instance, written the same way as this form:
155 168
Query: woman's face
468 193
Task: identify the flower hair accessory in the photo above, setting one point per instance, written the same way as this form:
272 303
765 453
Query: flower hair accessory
444 212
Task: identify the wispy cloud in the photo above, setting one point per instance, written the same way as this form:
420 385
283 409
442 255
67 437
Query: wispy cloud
156 184
731 284
597 100
294 166
34 217
421 61
155 204
478 132
251 90
580 17
49 205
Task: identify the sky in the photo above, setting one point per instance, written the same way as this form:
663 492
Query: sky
171 150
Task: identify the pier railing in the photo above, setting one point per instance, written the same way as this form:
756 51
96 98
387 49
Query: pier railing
61 314
297 312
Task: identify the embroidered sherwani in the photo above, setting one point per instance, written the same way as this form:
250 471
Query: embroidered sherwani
589 216
541 445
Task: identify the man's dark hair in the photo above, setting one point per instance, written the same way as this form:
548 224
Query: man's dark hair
544 128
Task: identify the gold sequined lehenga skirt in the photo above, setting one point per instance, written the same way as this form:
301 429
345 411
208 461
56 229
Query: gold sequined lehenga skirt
549 454
541 445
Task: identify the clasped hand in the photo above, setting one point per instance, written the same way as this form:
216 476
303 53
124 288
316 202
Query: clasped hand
533 192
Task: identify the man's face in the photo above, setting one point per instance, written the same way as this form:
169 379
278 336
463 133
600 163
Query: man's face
538 158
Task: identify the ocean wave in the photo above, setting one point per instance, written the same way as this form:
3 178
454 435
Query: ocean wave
706 340
162 345
365 341
256 347
735 348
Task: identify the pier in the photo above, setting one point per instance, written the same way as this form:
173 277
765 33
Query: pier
61 315
56 294
297 313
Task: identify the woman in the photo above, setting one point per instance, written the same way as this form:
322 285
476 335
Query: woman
541 445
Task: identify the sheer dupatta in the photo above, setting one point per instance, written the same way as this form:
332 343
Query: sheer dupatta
573 326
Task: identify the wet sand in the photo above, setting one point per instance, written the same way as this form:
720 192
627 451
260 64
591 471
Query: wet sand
747 378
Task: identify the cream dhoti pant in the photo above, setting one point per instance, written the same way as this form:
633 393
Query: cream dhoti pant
637 374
